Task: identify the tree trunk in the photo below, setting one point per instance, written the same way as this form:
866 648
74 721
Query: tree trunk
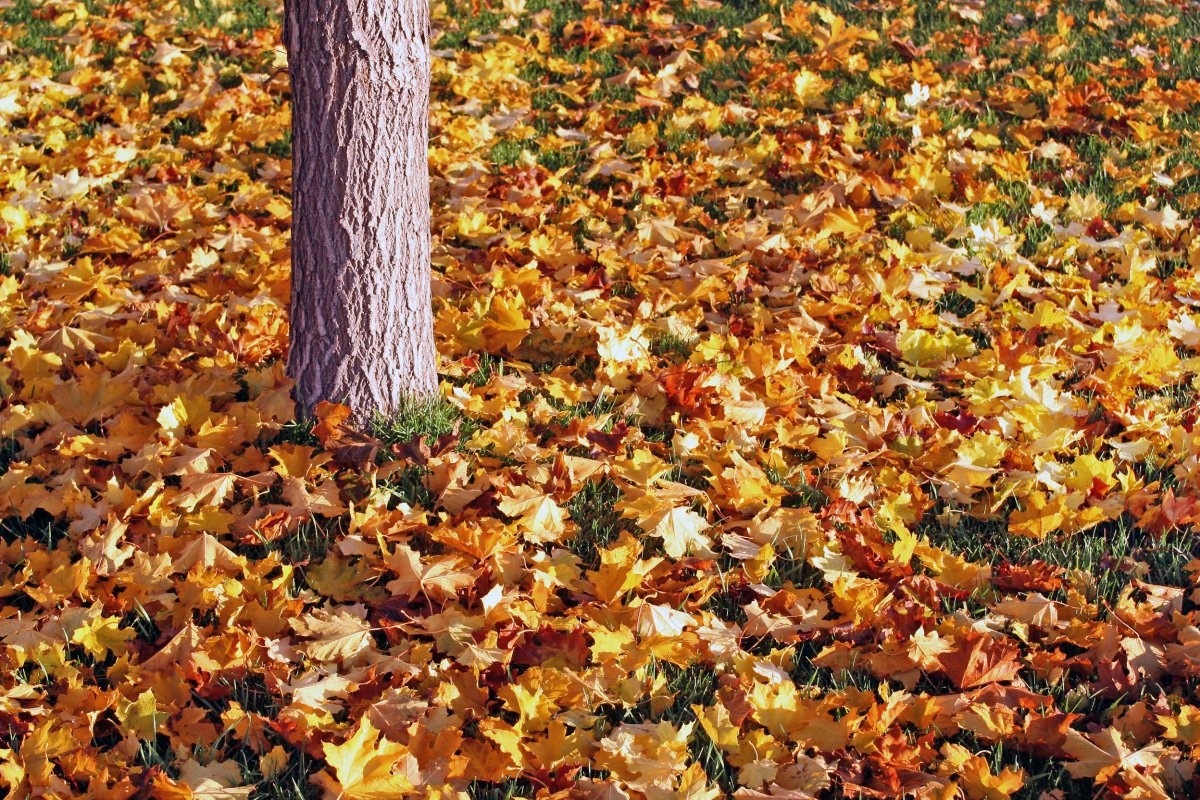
362 326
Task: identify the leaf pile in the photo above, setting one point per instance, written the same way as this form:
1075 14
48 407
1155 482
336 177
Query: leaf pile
820 412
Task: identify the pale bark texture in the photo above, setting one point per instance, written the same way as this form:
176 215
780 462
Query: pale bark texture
361 324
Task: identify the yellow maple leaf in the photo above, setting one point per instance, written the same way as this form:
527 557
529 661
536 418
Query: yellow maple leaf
506 322
363 767
141 715
681 530
975 777
541 519
102 635
1042 516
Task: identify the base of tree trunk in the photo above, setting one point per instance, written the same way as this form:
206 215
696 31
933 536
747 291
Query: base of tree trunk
362 324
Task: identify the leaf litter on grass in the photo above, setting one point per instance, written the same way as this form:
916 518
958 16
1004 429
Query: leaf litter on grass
820 412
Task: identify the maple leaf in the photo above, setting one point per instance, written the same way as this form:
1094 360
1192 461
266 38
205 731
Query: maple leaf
1183 726
681 531
647 756
842 380
337 434
927 649
216 780
102 635
1040 518
363 767
338 633
834 566
451 479
210 490
542 519
436 578
1036 576
978 659
331 420
621 568
319 691
184 650
685 388
760 623
142 716
206 552
1103 755
658 620
506 322
975 776
1036 610
693 785
104 548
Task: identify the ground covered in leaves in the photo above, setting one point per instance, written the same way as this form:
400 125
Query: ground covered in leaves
820 412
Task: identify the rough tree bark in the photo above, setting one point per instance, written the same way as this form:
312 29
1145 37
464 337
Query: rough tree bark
362 326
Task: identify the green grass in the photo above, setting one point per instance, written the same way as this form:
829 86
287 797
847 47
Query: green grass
1179 396
408 487
486 367
563 157
179 127
592 509
685 686
672 346
416 419
40 37
291 784
1041 774
792 569
725 81
801 494
157 754
238 17
730 14
505 790
1109 551
295 432
461 25
303 548
954 303
507 152
253 695
602 405
281 147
